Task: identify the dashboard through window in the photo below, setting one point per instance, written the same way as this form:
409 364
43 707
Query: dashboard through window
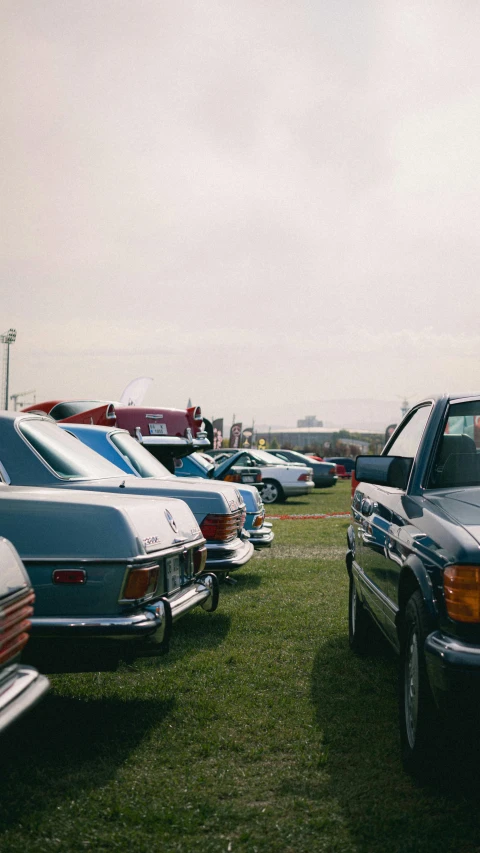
457 460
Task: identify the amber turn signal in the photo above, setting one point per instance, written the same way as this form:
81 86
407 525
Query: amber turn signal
462 592
141 582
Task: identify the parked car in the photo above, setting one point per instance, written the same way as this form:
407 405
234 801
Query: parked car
127 453
21 686
190 466
342 472
111 572
281 480
347 462
259 530
324 473
169 432
413 561
36 451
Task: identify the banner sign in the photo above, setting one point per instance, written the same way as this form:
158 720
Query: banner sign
235 435
217 433
247 437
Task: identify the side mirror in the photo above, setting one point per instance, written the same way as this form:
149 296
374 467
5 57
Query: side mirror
391 471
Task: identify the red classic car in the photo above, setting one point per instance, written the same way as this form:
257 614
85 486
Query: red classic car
167 433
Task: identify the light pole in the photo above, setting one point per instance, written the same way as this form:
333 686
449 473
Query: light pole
7 338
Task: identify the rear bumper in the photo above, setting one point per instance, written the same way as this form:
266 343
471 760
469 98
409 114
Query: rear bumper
302 488
262 537
453 670
21 687
151 623
324 482
227 556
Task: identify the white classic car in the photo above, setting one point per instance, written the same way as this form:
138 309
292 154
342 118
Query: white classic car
281 480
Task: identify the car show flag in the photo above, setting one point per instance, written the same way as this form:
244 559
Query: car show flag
217 433
235 435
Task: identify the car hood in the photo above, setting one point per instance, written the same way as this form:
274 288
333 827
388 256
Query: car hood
463 506
75 524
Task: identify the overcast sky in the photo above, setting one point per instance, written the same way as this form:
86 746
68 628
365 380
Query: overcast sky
262 204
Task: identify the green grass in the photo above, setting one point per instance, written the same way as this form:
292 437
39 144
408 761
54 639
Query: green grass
260 731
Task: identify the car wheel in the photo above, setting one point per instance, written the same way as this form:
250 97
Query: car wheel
359 621
418 717
272 492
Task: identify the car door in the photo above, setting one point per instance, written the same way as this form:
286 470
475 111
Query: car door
380 518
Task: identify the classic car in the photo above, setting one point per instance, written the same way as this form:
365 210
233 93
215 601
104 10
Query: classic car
111 572
127 453
413 562
198 465
204 465
169 432
36 451
324 473
21 686
281 480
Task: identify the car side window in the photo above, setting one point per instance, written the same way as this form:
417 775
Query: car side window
408 441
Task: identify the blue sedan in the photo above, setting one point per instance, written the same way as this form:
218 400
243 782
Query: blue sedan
124 451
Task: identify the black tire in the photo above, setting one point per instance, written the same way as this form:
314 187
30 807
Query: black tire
272 492
359 622
419 721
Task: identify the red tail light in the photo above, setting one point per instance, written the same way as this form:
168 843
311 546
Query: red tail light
199 559
233 478
69 576
141 582
333 471
305 477
258 478
220 527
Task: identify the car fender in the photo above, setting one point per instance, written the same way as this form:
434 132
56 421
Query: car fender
413 575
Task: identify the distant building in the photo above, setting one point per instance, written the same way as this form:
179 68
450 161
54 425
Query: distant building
321 437
309 421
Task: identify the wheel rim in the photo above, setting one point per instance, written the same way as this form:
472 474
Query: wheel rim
353 607
270 493
411 688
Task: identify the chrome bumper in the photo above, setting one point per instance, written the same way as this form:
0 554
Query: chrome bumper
227 556
262 537
20 688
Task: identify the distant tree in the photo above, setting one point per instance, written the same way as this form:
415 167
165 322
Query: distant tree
274 444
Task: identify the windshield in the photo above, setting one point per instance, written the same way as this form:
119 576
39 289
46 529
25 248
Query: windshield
140 459
457 460
65 454
207 464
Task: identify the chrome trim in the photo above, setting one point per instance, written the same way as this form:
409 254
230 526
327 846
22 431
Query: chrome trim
20 692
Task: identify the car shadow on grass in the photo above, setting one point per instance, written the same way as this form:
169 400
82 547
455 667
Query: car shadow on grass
355 702
66 745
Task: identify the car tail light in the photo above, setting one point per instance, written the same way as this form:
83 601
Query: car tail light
333 471
258 478
305 477
220 527
141 582
15 624
462 592
69 576
259 519
199 559
233 478
355 483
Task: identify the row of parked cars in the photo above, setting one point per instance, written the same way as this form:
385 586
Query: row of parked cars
105 547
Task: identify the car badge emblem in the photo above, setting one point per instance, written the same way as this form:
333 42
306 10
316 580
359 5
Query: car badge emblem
171 521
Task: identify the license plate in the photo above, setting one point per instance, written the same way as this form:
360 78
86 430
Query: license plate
172 566
157 429
249 479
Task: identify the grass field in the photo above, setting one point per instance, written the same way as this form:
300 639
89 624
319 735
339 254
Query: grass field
260 731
